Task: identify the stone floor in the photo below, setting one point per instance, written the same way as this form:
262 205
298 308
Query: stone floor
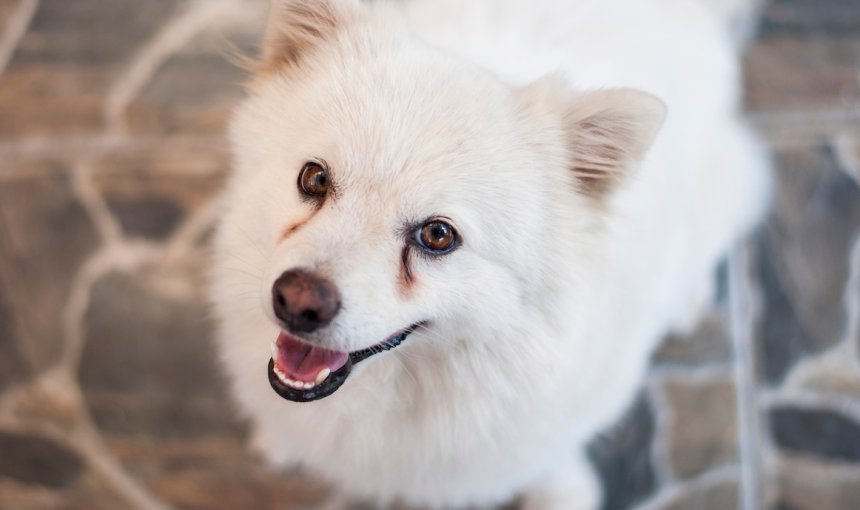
112 151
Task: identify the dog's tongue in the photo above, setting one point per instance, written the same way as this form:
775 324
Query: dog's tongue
303 362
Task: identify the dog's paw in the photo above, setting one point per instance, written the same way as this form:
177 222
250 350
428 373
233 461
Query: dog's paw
570 487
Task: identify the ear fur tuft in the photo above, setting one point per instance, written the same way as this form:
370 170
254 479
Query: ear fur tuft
609 132
296 26
605 132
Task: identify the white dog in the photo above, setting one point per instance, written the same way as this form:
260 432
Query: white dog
476 181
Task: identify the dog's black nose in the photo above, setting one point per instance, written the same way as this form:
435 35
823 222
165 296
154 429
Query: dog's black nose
304 301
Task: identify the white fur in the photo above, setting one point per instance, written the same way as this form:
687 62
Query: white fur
542 322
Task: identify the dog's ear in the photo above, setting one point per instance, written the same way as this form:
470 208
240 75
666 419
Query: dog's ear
606 132
297 26
609 132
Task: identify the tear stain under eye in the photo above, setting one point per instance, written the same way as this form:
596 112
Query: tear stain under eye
292 229
406 279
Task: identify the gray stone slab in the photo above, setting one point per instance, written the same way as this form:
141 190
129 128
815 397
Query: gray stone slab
38 461
622 456
149 368
816 432
91 32
150 194
13 366
802 259
191 93
810 18
58 77
47 235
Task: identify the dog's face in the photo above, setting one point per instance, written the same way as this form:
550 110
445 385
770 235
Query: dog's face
383 188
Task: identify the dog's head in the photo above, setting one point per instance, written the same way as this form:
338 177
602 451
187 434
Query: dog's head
383 188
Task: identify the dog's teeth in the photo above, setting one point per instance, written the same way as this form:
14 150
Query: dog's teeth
274 351
296 385
321 376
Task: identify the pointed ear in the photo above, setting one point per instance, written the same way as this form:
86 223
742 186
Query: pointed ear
605 133
296 26
608 133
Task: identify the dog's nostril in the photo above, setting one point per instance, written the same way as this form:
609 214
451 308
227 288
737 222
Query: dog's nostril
310 316
304 301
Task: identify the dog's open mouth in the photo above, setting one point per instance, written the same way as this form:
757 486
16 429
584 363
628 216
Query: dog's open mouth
302 372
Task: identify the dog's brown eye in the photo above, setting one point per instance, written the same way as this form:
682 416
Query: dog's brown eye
313 180
437 237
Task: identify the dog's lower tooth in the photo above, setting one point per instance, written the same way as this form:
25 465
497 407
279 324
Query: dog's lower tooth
274 352
308 385
321 376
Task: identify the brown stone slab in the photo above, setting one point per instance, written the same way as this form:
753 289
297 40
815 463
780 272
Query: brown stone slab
787 74
702 429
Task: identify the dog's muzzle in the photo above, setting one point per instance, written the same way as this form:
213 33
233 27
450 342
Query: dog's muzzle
301 372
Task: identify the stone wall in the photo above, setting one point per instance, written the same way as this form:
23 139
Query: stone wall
111 155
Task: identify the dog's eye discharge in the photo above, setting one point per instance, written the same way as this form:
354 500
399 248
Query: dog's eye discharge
437 237
313 179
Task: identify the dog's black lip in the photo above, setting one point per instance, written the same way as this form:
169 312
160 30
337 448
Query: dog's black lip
336 379
321 390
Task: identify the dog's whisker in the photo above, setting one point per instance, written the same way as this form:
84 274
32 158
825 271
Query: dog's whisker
257 276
